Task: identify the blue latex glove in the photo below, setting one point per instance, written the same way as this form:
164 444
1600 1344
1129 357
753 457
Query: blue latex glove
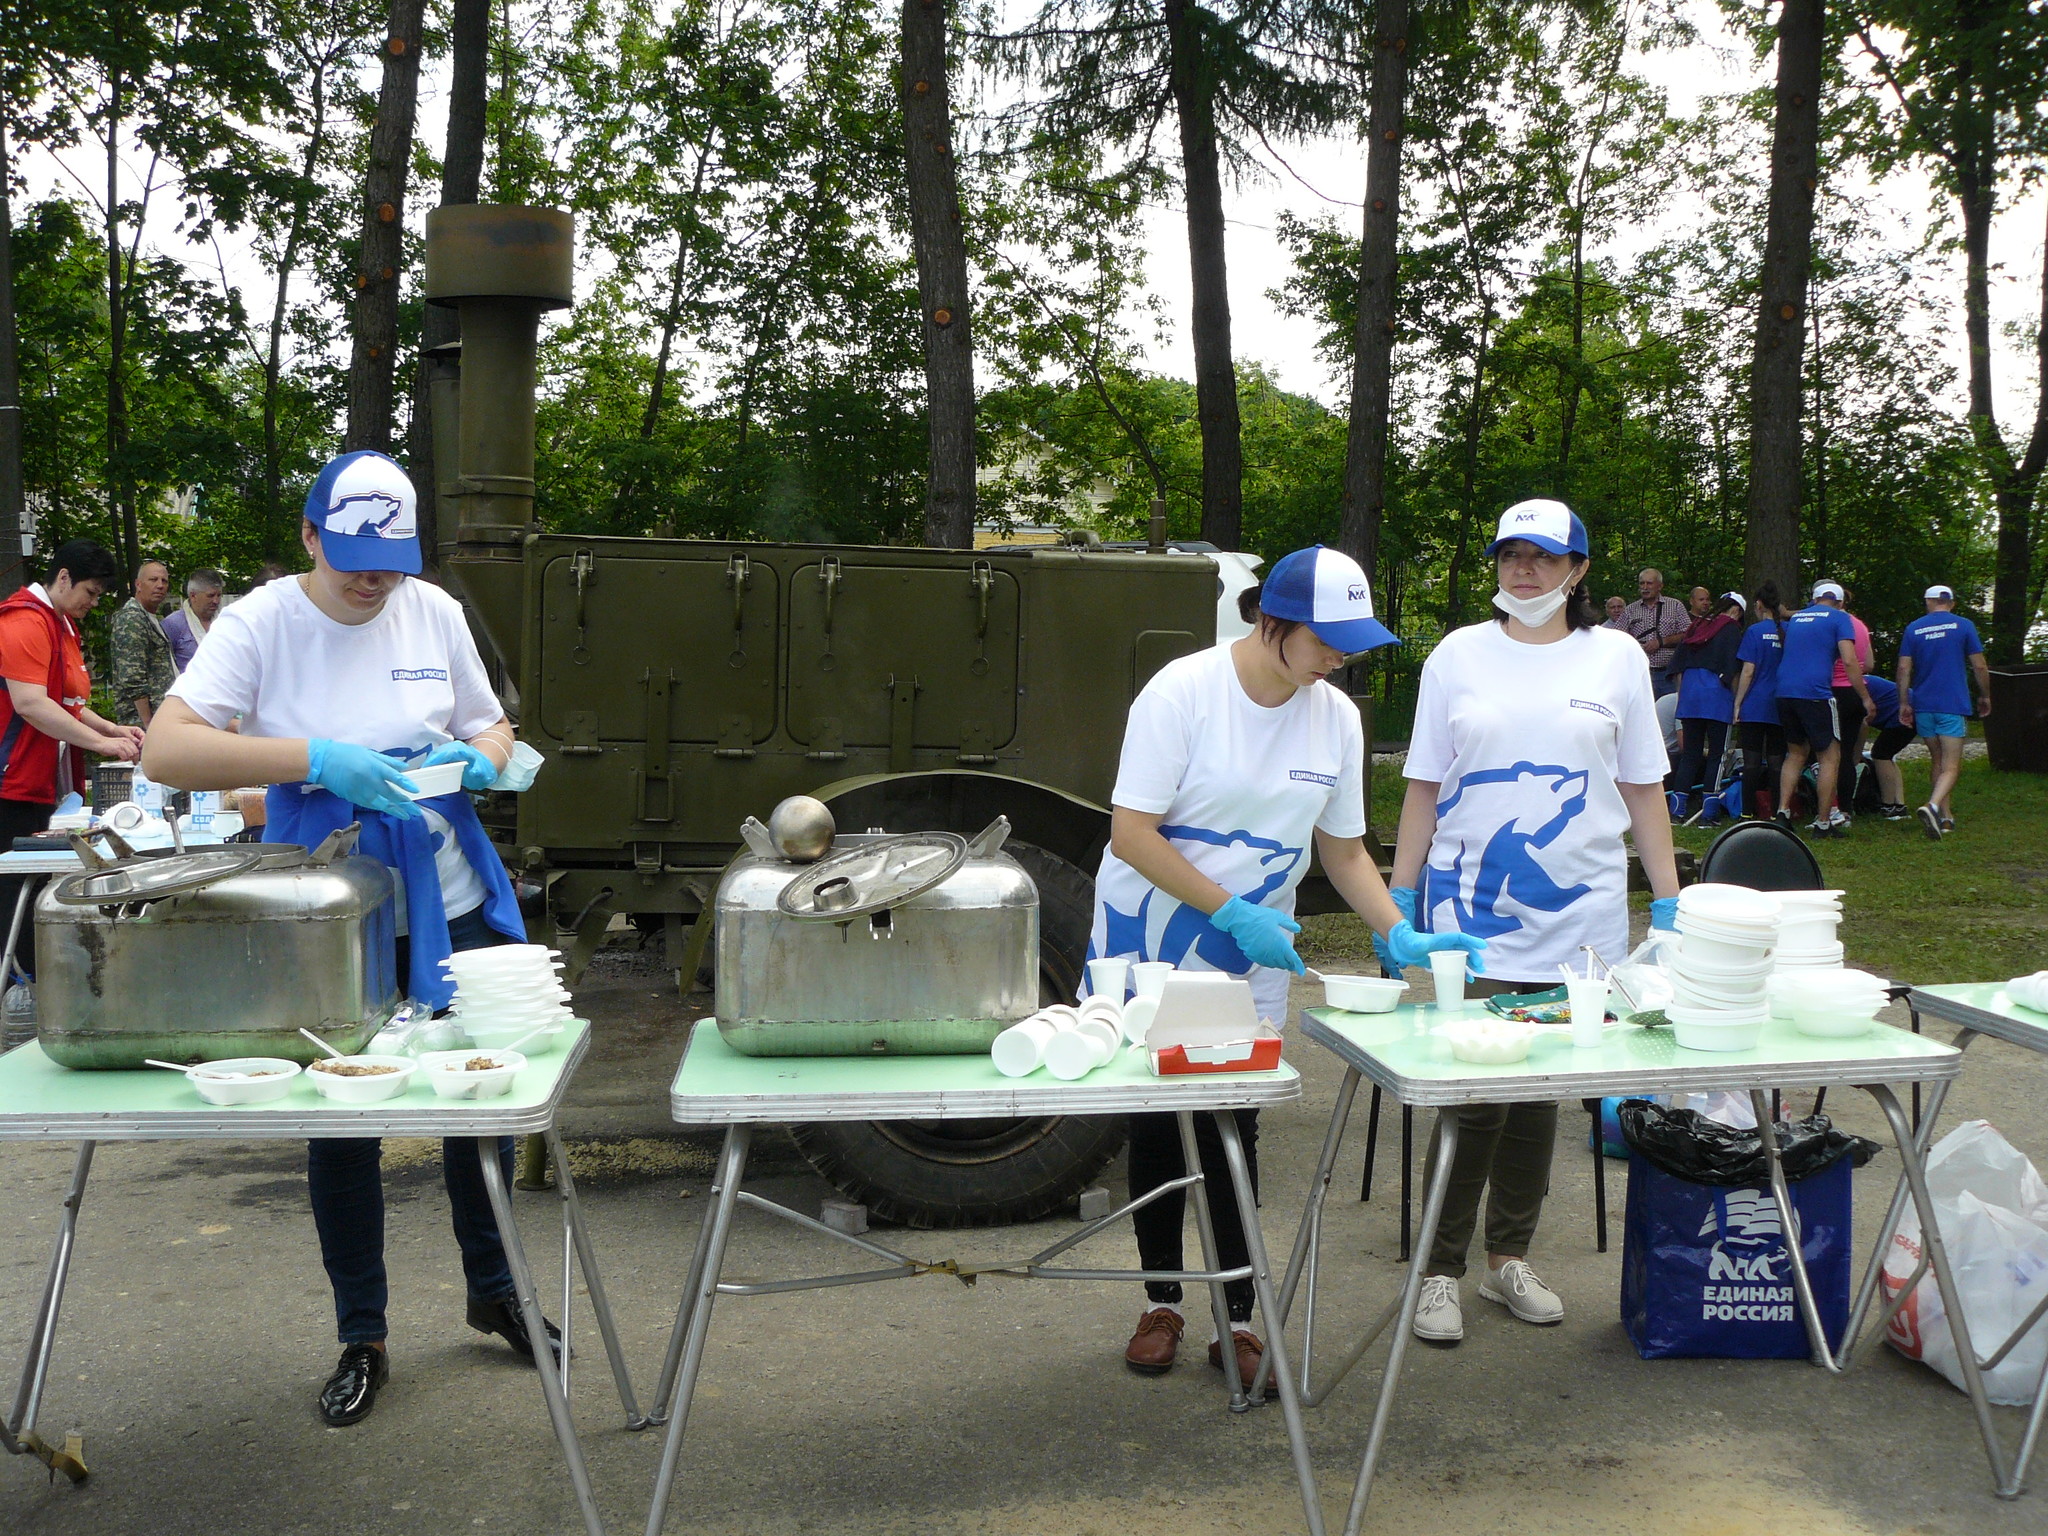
1405 899
1664 913
1261 932
479 773
1411 948
360 776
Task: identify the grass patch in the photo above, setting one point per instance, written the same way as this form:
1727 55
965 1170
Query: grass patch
1972 907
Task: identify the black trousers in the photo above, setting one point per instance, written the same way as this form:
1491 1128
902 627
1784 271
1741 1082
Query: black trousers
21 818
1155 1159
1851 720
1763 755
1699 755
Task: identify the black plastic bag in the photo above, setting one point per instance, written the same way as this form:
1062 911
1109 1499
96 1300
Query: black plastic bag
1687 1145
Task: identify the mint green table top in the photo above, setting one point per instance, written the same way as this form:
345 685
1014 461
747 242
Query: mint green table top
1399 1052
41 1101
1986 1008
716 1085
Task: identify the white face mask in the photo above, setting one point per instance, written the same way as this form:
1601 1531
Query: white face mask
1536 611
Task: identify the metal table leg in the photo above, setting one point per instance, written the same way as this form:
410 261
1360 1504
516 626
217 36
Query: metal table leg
1269 1314
600 1304
536 1330
664 1389
1308 1236
1372 1142
697 1300
18 1434
14 926
1404 1318
1205 1224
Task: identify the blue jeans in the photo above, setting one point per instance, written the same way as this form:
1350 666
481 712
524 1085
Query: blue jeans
345 1178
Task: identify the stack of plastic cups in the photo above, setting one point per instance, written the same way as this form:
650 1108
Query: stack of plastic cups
1721 966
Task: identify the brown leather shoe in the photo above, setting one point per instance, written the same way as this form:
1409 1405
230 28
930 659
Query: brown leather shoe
1249 1353
1157 1341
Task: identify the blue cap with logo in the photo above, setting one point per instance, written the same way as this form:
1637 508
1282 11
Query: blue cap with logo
1549 525
1325 589
368 518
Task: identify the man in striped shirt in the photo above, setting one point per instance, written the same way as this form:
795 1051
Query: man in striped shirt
1656 623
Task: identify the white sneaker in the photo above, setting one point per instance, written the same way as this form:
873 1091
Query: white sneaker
1438 1317
1515 1286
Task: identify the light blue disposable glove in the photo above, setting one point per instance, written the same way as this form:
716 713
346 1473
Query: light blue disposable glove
1411 948
1261 932
1405 899
360 776
479 771
1664 913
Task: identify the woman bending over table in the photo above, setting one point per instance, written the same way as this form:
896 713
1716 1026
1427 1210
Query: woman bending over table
1535 748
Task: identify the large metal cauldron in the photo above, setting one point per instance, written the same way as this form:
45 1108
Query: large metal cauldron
213 954
923 944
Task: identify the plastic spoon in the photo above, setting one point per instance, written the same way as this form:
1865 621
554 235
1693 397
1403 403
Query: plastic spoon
172 1066
330 1050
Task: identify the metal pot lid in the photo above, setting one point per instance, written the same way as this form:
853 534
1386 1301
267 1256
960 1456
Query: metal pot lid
872 875
154 879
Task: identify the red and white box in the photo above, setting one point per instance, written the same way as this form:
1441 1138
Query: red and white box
1207 1022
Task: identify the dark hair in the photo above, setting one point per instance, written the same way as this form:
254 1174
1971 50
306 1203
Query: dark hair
1579 612
1268 627
83 560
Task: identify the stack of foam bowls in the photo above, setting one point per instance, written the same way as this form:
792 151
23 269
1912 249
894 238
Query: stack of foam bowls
1720 966
508 991
1807 940
1835 1004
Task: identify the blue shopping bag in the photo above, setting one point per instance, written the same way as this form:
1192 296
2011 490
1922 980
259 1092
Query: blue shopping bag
1705 1273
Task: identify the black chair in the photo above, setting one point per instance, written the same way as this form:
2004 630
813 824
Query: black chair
1763 855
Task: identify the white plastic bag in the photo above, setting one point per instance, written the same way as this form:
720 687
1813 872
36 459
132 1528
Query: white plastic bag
1993 1211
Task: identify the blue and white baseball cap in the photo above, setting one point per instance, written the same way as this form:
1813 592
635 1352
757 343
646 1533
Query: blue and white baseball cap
368 518
1549 525
1325 589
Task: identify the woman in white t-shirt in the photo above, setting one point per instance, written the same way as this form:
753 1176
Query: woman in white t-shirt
1535 747
1233 759
343 678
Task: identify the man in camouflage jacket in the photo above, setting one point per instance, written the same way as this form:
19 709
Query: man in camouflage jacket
143 669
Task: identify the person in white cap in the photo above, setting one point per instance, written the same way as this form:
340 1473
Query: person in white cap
1236 760
344 678
1939 656
1819 638
1535 750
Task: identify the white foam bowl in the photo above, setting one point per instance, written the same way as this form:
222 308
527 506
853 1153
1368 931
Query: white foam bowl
1698 1031
364 1090
1728 903
1726 953
502 954
1363 994
1833 1024
446 1073
274 1084
1489 1042
492 1037
441 779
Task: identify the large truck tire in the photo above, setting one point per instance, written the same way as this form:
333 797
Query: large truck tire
982 1173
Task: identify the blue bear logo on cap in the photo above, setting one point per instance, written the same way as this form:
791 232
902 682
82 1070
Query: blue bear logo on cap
376 510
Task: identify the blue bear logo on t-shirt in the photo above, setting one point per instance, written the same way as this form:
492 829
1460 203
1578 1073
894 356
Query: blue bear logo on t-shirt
1508 865
1189 928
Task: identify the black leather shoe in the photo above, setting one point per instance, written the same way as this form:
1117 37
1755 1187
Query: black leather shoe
351 1392
505 1319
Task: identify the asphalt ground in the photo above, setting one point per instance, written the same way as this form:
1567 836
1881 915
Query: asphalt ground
198 1328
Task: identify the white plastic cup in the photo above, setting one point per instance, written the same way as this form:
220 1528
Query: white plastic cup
1107 1030
1148 977
1019 1050
1073 1053
1588 999
1102 1008
1059 1015
1109 978
1447 967
1139 1013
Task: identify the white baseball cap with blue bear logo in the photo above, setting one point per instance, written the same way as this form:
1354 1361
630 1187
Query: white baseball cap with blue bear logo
367 514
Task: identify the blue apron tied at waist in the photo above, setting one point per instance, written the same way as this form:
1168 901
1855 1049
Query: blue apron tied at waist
299 813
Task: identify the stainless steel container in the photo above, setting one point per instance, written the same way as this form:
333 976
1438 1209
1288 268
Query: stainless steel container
872 956
210 955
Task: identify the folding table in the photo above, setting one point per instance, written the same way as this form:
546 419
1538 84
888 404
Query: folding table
1981 1008
41 1101
1403 1053
716 1085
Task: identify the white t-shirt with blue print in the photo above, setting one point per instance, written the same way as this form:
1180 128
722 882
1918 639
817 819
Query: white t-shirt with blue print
1241 789
1528 743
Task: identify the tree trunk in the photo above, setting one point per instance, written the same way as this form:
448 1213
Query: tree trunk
1454 579
1192 78
371 360
2016 593
13 496
462 174
1772 549
1372 344
278 524
120 495
940 244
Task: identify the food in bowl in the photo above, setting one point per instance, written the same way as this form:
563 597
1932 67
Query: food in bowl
363 1079
342 1068
481 1064
244 1080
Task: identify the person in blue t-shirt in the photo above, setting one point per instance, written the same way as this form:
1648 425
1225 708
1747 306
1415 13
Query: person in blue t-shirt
1815 638
1938 655
1758 733
1884 748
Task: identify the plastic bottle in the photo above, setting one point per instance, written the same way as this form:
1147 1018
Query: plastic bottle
18 1014
146 793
